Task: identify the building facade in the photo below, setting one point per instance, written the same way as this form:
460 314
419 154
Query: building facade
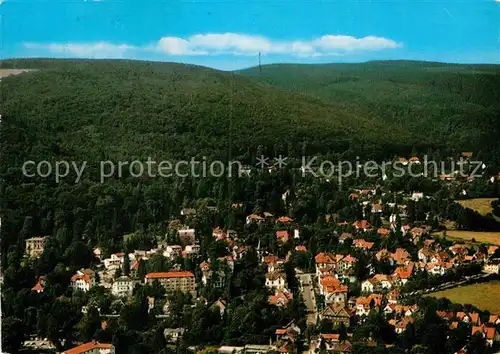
171 281
34 246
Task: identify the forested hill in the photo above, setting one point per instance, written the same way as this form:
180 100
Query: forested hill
117 108
455 104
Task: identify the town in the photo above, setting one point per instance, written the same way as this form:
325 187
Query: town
226 279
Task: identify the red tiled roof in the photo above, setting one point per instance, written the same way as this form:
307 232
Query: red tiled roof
157 275
360 243
282 234
383 231
334 336
37 287
86 347
323 258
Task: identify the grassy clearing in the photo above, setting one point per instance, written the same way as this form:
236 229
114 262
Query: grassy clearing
484 295
9 72
481 205
483 237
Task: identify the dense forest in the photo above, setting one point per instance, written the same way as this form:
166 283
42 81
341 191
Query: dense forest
92 110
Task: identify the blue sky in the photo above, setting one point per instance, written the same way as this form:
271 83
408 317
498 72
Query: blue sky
229 34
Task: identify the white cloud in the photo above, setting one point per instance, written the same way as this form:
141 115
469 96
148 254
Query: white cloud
87 50
228 44
241 44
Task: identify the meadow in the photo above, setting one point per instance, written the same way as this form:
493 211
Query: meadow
482 295
483 237
481 205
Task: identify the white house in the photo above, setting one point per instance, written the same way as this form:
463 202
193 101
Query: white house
276 280
416 196
192 249
115 261
83 280
122 286
172 251
492 267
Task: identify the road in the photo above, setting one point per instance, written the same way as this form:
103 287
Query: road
308 296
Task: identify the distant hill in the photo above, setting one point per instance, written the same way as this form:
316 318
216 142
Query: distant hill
457 105
121 109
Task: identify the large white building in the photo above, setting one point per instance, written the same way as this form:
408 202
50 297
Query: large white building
123 286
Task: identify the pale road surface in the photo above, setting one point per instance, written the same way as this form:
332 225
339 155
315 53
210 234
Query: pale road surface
308 296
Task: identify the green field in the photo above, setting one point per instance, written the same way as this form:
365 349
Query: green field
484 296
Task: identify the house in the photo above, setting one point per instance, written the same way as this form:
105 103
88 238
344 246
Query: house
424 254
346 263
384 254
365 304
300 248
403 273
338 314
123 286
97 253
401 256
284 220
83 280
489 333
378 282
492 250
281 298
376 209
403 161
254 219
40 285
344 236
92 348
438 268
282 236
218 233
172 251
290 333
220 305
181 280
492 267
35 246
400 326
325 263
362 225
416 196
494 320
404 229
333 290
360 243
115 261
333 344
216 279
392 297
187 236
188 212
172 335
276 280
383 232
192 249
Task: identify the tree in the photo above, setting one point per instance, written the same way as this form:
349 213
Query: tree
141 269
89 324
126 265
13 333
